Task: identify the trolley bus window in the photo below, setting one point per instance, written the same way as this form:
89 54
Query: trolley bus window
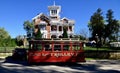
66 47
36 46
48 47
57 47
39 47
76 47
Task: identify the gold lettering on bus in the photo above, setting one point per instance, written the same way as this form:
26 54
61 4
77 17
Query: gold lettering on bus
53 54
44 54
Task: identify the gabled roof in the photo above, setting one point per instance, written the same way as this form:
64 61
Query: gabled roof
68 20
64 18
39 16
42 16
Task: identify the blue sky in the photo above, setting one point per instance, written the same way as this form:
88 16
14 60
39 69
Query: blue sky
13 13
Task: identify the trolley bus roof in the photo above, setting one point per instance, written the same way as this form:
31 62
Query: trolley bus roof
66 40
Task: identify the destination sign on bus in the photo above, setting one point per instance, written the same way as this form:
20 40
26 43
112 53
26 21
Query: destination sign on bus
54 54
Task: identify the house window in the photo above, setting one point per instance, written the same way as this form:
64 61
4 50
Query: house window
60 28
70 28
53 36
53 28
42 27
54 17
53 12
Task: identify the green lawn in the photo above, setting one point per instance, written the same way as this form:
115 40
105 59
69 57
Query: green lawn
94 48
6 49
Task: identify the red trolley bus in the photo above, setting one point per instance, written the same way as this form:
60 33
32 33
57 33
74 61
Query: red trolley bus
55 50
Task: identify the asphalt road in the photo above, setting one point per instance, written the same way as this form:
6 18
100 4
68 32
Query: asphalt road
94 66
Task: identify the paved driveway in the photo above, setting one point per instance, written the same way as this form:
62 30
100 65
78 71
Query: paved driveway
94 66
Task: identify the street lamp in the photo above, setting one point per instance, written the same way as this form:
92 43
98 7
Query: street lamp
96 36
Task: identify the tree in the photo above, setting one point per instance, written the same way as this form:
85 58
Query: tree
104 29
96 24
28 26
83 34
19 40
3 36
38 35
5 39
13 42
65 34
119 31
3 33
112 26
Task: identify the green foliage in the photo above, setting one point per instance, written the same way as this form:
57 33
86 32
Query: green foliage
8 43
19 40
38 35
5 39
104 29
82 38
65 34
112 27
3 34
6 49
28 26
13 43
96 24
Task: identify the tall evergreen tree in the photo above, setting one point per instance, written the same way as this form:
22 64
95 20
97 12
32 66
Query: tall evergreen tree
112 26
104 29
65 34
96 25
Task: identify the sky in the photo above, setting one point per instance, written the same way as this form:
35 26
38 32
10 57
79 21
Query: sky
13 13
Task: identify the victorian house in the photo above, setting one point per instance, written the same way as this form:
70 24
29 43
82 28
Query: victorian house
51 26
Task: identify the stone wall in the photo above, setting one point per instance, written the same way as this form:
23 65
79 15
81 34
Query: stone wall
90 54
114 55
103 54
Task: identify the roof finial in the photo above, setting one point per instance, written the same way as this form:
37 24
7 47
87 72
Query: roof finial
54 3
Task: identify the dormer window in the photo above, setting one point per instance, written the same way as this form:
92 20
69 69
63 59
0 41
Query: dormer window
53 12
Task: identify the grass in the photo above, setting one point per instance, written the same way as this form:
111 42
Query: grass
6 49
94 48
89 58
